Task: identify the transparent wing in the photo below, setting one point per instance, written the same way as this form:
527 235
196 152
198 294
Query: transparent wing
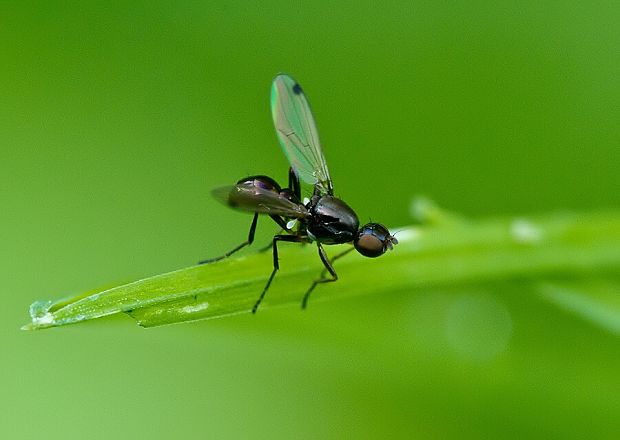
297 132
252 198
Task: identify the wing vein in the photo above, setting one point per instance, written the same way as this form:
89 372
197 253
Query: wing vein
297 133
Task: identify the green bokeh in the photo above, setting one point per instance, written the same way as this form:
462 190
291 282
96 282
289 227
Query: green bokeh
114 118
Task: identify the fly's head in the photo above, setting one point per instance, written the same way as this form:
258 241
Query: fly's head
373 240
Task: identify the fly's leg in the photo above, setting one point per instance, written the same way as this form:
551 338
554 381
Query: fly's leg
276 265
340 255
279 220
266 248
328 268
241 246
293 183
284 228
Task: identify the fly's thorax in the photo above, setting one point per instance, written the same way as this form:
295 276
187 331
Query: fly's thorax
331 220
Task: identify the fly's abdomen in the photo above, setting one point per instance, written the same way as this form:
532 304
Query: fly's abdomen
262 182
260 194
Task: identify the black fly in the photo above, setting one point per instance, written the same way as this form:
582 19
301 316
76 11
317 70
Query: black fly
323 218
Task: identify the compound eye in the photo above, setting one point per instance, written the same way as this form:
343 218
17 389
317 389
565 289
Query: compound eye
369 245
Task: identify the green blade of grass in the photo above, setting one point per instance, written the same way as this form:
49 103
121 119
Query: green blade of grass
448 253
597 300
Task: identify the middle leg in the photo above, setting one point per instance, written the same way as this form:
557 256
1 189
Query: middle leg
276 264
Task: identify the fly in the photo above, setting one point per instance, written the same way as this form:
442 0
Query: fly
323 218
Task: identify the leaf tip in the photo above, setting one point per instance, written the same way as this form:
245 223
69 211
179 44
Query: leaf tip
40 315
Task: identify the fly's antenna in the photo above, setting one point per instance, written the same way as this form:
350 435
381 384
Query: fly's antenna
397 232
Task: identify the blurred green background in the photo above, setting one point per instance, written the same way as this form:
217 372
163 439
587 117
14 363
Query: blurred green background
117 119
